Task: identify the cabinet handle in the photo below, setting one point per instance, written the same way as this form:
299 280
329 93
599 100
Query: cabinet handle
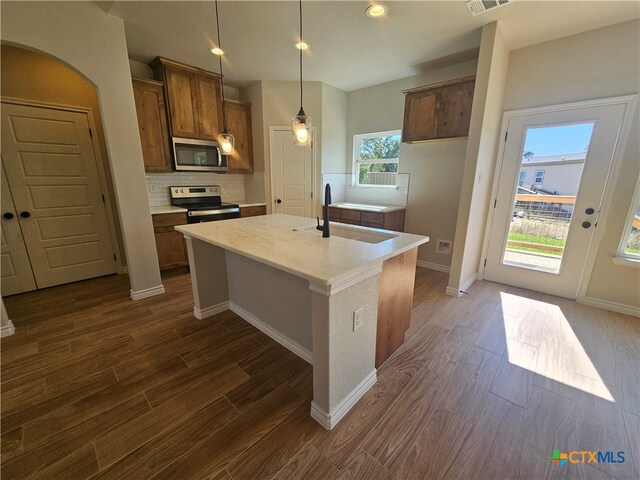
25 214
8 215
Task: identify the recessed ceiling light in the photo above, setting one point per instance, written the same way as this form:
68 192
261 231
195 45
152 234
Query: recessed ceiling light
217 51
377 10
301 45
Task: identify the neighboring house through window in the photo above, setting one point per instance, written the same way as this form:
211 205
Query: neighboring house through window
539 177
375 158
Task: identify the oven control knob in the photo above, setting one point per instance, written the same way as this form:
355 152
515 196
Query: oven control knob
182 190
211 189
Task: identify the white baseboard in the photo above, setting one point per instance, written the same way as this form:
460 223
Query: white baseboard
613 306
330 420
434 266
8 329
210 311
146 293
283 340
453 292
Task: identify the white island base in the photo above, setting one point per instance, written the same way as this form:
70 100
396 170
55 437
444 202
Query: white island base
302 291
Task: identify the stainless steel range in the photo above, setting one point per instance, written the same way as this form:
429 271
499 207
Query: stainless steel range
203 203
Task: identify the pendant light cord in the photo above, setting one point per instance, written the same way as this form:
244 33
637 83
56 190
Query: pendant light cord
224 116
300 55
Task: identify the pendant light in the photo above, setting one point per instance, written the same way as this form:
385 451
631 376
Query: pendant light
225 139
301 125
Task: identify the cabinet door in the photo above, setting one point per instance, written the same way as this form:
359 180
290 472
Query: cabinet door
253 211
455 110
421 116
239 123
152 123
171 248
181 93
209 107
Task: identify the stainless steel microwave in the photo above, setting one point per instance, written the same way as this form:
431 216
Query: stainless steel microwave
198 155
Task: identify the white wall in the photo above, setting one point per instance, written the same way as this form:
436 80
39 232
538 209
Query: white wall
435 168
92 42
334 129
596 64
486 116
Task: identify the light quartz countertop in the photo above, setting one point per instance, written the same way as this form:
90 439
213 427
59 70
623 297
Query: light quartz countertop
292 244
369 207
167 209
171 209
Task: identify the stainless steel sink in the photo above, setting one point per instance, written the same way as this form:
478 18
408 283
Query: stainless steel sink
354 234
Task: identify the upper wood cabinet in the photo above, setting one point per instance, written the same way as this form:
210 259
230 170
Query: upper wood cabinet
239 124
438 111
194 99
152 123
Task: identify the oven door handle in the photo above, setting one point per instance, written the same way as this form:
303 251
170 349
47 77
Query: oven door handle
202 213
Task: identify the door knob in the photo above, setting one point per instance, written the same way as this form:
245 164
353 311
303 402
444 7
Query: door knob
278 201
25 214
586 224
589 211
8 215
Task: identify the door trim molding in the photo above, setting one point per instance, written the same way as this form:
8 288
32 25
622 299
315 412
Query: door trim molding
272 177
630 102
112 217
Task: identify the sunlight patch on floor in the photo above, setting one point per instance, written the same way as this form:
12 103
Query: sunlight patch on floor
540 339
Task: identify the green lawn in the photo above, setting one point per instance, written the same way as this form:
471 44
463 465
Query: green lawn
525 237
632 251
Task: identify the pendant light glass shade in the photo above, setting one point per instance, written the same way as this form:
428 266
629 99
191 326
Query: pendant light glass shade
227 142
301 124
302 128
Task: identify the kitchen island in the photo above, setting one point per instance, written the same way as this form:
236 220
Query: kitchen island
341 303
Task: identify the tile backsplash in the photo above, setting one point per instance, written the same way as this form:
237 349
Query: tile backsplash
158 184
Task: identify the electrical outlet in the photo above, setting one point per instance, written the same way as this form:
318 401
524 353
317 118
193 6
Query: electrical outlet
152 187
358 316
444 247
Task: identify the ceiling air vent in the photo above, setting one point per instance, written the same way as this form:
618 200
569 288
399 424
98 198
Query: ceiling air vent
476 7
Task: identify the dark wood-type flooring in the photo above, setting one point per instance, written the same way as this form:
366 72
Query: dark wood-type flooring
95 385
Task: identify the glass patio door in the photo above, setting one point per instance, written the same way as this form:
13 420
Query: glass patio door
550 188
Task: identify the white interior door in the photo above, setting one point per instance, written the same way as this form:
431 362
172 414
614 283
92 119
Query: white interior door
51 169
550 189
291 175
15 269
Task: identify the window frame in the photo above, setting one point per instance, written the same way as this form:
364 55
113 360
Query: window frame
635 257
357 161
535 177
522 177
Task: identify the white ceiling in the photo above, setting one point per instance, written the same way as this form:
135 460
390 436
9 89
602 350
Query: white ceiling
348 49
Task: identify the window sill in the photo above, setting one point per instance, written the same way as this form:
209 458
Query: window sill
626 261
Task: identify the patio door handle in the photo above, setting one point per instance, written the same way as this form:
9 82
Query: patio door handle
586 224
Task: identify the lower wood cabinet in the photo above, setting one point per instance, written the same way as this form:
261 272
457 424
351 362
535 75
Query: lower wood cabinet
387 220
253 211
170 244
395 300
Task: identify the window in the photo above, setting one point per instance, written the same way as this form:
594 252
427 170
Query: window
521 178
539 177
375 158
630 245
